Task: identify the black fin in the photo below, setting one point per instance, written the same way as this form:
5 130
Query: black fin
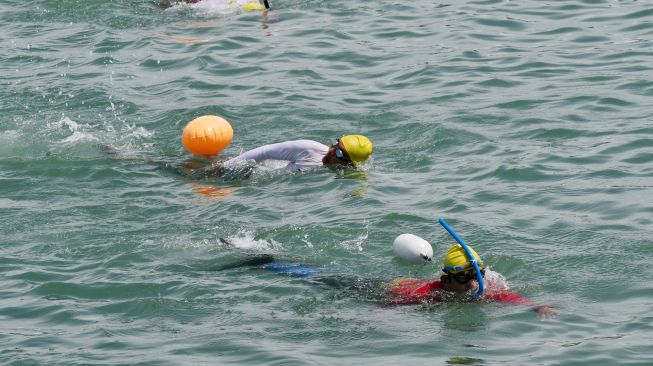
247 262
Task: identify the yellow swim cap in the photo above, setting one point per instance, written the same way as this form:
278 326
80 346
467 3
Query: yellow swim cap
456 260
252 6
358 147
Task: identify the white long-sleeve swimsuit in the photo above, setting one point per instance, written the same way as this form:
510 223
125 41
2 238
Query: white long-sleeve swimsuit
300 155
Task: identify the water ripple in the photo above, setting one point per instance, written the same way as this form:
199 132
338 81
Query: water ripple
526 124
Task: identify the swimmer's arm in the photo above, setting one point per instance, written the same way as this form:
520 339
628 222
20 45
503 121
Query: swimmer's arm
288 151
543 311
258 154
425 292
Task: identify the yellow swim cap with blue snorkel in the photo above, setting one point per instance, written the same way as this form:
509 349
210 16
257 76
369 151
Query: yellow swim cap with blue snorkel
456 260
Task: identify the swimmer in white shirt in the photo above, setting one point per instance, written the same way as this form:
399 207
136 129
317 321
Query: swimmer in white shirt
247 5
302 155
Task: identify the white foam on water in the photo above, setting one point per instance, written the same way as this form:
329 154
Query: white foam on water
245 241
495 281
356 244
306 241
8 141
70 131
9 136
79 133
66 133
20 204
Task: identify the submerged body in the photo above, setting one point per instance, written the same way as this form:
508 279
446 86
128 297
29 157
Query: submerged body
297 155
412 291
246 5
400 291
300 155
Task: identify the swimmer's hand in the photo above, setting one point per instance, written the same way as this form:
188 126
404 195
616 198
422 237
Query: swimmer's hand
545 311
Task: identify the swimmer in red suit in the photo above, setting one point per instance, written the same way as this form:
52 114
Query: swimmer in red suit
457 284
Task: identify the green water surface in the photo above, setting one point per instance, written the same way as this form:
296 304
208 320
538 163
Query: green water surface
527 125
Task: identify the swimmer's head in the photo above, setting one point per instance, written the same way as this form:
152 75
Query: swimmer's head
358 148
456 260
252 6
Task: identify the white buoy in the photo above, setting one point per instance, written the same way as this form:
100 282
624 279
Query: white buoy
412 248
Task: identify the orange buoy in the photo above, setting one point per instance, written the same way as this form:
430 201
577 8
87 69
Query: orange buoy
207 135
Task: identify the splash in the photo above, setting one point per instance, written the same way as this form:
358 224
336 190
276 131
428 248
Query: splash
356 244
246 241
243 240
8 141
67 133
495 281
79 132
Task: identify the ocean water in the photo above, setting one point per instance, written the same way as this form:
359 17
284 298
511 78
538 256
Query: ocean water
528 125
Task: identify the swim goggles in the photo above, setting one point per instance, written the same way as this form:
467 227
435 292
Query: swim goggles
464 277
339 153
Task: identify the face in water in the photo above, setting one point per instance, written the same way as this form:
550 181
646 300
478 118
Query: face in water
337 155
461 282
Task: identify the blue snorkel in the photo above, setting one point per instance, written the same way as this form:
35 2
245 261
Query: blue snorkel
469 254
